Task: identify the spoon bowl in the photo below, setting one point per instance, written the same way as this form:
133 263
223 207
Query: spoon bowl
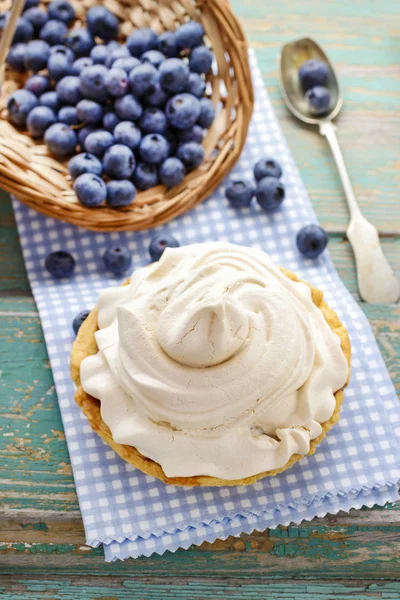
293 55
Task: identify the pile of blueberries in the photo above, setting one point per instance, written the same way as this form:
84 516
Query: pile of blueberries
311 240
136 110
313 76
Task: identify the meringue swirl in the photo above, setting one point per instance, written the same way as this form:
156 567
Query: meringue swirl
213 362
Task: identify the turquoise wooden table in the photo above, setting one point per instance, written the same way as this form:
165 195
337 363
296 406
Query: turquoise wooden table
356 555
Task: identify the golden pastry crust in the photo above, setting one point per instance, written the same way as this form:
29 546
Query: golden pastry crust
85 345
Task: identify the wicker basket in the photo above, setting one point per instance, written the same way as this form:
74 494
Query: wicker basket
43 183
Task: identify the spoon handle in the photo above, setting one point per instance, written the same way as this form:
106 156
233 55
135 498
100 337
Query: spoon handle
377 283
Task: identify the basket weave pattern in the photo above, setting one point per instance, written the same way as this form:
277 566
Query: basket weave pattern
42 182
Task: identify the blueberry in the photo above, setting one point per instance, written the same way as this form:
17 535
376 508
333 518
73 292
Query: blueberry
81 63
156 96
154 57
154 148
84 163
128 108
128 134
194 134
92 83
116 82
270 193
83 132
142 79
167 44
191 154
60 139
127 63
313 72
201 59
97 142
79 319
119 162
319 99
19 104
60 264
196 85
172 172
50 99
142 40
311 240
68 115
80 41
207 113
39 119
145 176
37 55
153 120
59 66
189 35
64 50
102 23
37 17
174 75
68 90
90 189
53 32
62 11
99 54
267 167
30 3
116 54
90 111
16 57
120 193
110 121
37 84
183 110
239 193
23 31
113 45
159 243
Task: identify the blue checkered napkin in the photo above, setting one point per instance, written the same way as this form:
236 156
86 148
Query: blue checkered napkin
133 514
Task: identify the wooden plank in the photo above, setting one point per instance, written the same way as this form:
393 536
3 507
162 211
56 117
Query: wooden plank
122 588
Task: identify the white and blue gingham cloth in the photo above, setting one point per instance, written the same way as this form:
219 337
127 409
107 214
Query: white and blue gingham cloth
133 514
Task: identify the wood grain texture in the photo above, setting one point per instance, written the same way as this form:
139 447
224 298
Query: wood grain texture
118 588
353 555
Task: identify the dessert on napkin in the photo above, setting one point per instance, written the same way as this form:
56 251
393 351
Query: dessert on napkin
211 366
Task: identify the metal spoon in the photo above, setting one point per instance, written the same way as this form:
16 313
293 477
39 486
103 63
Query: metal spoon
377 282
